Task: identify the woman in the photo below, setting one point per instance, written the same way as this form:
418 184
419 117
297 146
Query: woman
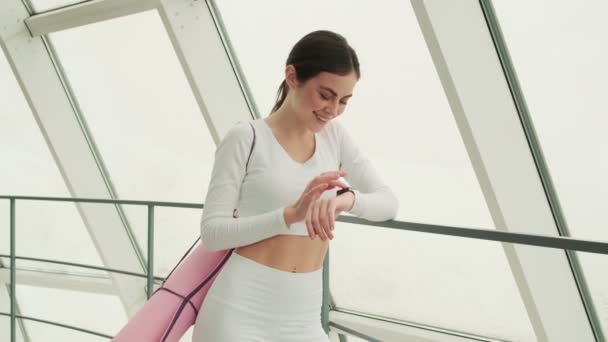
271 287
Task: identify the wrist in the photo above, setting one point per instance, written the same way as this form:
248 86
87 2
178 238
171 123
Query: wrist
347 200
289 215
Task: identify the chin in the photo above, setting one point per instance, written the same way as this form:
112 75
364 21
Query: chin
317 122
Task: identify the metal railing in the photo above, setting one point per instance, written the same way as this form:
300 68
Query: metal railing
151 205
564 243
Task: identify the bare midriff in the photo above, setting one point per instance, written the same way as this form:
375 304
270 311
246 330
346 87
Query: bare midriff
290 253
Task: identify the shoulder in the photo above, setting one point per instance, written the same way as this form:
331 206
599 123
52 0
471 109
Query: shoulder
240 134
240 130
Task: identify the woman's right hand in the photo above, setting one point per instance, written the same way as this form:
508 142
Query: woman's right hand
314 189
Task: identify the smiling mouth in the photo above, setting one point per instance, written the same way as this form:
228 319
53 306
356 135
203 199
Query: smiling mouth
320 118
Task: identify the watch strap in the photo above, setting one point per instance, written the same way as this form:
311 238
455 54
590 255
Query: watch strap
341 191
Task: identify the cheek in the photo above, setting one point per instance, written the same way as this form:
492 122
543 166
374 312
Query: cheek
317 102
305 102
312 102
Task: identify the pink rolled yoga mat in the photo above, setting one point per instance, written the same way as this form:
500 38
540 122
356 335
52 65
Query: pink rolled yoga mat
172 309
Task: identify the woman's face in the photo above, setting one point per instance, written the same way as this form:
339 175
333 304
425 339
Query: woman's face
322 98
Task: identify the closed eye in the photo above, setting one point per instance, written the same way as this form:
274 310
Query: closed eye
328 97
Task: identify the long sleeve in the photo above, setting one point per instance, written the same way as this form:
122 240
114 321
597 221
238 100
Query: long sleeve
374 200
219 230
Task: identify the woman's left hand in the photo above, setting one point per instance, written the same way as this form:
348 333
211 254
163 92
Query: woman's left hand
321 216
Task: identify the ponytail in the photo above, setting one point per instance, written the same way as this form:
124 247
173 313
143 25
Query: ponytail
281 95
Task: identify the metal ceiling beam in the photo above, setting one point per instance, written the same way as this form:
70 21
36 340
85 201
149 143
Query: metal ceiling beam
84 14
204 52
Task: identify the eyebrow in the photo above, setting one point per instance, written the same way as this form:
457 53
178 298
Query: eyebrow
333 92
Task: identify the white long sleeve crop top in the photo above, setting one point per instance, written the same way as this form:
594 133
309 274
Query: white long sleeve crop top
274 181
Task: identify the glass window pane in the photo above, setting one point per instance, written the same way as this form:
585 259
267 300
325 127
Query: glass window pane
43 229
401 119
143 117
45 5
562 71
138 104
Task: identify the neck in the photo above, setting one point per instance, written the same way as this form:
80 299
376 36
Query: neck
288 123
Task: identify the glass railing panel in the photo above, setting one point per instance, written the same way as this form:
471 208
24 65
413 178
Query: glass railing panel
176 229
38 331
437 281
101 313
53 230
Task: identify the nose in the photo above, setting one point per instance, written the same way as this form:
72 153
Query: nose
332 109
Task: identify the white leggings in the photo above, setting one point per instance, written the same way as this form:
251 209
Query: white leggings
249 301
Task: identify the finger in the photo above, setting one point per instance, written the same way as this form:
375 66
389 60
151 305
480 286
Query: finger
323 215
312 219
328 176
312 194
318 180
331 176
336 172
336 183
315 221
326 219
332 214
324 178
311 231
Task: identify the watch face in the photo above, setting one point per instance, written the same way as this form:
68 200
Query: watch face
341 191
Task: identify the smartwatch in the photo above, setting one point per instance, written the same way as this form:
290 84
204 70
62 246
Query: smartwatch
341 191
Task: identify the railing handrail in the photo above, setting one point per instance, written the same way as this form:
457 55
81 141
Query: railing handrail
559 242
106 201
565 243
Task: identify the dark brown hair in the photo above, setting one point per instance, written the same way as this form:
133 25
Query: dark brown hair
316 52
